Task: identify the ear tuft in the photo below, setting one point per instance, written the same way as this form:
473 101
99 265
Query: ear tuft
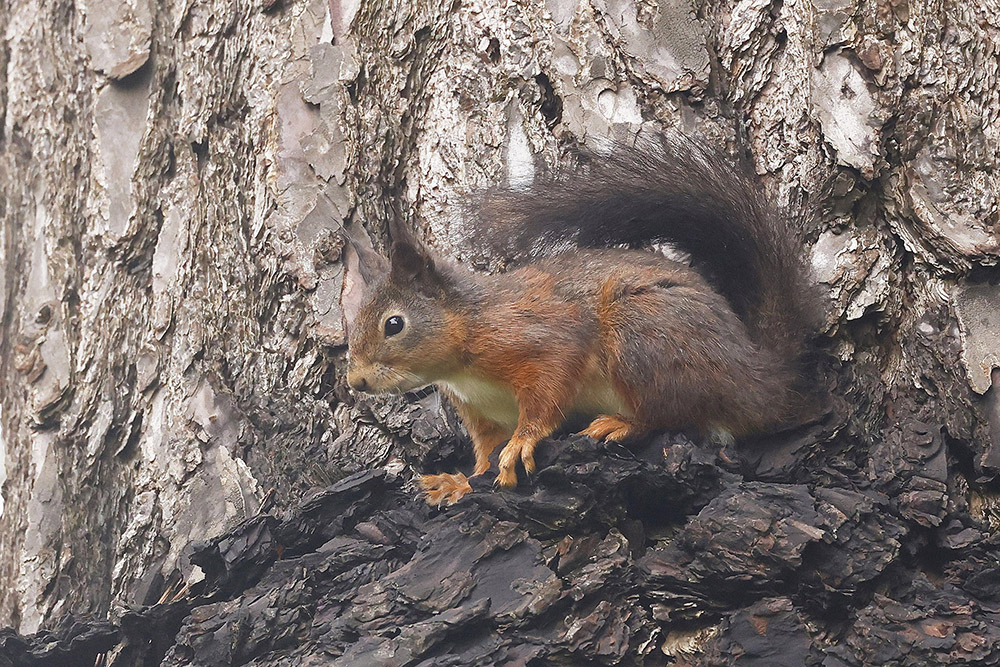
412 263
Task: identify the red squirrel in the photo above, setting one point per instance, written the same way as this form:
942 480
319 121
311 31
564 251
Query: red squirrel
590 326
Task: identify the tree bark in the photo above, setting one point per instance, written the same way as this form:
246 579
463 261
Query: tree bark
174 176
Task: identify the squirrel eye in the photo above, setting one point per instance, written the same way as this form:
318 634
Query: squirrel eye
393 325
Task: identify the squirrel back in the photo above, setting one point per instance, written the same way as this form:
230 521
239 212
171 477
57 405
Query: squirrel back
681 192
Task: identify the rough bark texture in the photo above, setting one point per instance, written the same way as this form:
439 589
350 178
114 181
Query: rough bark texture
172 178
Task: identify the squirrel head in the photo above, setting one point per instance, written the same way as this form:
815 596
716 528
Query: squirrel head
405 334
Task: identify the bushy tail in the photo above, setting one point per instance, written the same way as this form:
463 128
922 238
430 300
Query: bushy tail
679 192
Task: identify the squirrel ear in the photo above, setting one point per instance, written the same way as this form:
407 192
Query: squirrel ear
363 268
412 263
371 265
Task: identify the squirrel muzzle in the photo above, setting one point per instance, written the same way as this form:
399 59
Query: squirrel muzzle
376 378
357 380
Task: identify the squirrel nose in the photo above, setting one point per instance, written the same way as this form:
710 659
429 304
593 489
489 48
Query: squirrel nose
357 382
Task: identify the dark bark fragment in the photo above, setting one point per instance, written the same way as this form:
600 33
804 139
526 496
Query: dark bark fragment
607 555
768 633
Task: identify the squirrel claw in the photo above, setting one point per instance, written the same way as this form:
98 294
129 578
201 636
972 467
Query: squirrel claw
445 488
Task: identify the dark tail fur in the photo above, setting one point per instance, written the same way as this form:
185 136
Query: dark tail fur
680 192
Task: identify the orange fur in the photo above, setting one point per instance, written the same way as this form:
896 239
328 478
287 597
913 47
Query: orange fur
486 435
609 427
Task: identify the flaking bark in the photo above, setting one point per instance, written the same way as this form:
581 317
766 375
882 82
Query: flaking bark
173 178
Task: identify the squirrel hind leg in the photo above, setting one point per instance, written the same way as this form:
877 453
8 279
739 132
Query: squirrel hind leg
614 428
684 360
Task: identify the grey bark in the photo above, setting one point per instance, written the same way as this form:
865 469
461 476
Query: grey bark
173 177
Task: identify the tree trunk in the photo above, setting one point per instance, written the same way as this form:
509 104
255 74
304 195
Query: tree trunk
174 177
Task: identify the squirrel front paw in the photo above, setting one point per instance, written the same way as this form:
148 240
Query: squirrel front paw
515 449
445 488
507 477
